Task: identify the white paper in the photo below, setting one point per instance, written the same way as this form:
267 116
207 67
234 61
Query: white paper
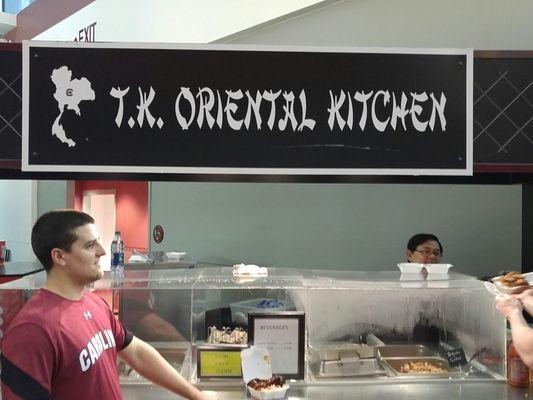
280 337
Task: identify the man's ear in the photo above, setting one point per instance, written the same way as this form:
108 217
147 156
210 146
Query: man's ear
57 256
408 254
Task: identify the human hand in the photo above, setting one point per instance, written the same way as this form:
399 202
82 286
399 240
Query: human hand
507 305
528 293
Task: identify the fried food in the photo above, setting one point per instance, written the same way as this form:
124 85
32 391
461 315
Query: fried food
267 384
513 279
421 367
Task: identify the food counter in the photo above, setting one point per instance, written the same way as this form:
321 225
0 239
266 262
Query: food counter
364 334
401 391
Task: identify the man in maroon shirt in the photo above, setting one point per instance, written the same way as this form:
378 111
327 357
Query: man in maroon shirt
64 343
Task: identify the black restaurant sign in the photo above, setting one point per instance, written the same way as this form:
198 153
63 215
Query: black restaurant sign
213 109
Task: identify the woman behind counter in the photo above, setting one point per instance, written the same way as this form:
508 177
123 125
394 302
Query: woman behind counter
424 248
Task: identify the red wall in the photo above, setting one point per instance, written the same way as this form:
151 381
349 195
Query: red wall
131 200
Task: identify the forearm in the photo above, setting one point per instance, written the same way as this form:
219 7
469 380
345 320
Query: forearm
151 365
528 304
522 336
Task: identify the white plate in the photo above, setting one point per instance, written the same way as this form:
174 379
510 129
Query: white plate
492 289
502 289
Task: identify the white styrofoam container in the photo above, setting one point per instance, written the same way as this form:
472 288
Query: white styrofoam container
441 269
255 363
410 268
278 393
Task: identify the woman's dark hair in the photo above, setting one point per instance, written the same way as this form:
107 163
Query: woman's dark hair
55 229
420 238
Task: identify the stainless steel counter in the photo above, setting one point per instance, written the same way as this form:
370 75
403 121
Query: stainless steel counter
389 391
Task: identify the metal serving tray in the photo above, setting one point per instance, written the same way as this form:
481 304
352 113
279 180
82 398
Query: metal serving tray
348 368
395 365
338 351
405 350
345 360
346 352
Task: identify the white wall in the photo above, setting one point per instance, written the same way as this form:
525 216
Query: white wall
184 21
101 206
479 24
18 210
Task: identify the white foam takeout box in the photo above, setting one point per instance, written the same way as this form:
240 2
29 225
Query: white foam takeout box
416 268
256 364
437 269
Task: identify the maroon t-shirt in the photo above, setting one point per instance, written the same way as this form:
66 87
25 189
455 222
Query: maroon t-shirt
57 348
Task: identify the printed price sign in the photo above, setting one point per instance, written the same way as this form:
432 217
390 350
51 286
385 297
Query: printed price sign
456 357
219 363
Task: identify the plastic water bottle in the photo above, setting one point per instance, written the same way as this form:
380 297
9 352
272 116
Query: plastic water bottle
117 256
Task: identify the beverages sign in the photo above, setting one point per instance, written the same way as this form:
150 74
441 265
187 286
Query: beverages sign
106 107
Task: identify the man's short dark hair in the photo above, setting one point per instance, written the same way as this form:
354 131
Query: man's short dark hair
55 229
420 238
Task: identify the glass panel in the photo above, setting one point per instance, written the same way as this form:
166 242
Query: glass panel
350 316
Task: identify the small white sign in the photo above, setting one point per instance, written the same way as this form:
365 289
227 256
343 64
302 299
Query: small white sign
281 337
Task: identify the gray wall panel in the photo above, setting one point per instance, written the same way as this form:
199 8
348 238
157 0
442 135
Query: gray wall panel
339 226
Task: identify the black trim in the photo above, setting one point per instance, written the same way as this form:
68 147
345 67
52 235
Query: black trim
492 178
127 340
20 383
527 227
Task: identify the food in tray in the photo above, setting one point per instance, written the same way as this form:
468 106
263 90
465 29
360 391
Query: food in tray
227 336
420 367
265 385
512 279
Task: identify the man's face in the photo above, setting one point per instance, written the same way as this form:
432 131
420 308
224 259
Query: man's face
82 262
425 253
